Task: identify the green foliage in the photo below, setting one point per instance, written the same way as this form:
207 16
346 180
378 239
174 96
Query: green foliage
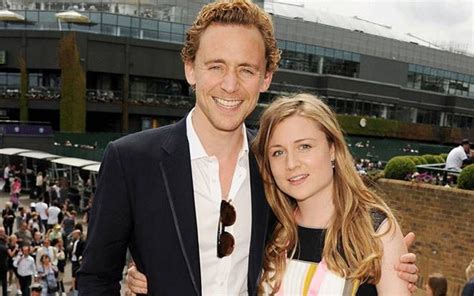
444 156
430 159
374 126
418 160
72 106
439 159
399 167
23 89
466 178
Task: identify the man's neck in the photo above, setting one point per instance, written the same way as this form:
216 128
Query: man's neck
222 144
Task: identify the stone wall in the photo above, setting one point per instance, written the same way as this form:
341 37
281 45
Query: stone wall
443 220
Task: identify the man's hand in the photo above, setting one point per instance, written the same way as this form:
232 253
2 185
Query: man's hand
136 281
407 270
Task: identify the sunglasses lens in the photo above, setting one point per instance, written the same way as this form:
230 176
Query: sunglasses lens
226 245
227 214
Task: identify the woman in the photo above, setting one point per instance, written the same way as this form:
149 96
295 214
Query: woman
333 236
437 285
47 276
61 263
15 191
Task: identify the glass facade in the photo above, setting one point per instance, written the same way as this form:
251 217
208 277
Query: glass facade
316 59
104 23
438 80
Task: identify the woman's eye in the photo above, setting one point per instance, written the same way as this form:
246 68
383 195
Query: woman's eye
277 153
305 147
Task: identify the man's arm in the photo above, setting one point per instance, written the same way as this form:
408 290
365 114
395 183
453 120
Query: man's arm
406 268
108 232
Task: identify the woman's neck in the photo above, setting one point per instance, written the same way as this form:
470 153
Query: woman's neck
315 212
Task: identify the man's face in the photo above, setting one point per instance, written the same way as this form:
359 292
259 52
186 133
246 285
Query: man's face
466 147
229 74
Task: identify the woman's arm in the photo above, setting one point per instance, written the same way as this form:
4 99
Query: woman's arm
393 247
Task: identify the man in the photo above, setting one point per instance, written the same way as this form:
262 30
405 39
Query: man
26 270
459 157
53 215
199 172
76 255
24 234
42 210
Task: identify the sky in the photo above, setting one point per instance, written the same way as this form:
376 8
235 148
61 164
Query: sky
449 23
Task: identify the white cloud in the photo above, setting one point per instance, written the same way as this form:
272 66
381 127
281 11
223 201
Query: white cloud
445 22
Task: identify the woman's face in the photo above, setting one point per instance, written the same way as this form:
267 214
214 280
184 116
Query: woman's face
300 158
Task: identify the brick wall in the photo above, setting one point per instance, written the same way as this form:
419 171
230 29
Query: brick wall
443 220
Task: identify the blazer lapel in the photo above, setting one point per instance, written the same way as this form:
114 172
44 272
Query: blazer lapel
177 177
260 212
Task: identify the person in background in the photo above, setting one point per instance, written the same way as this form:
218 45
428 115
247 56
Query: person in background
15 191
6 178
8 216
468 289
26 270
437 285
3 262
47 276
39 184
42 209
459 156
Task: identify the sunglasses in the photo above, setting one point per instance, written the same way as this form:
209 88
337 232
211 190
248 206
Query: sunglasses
225 240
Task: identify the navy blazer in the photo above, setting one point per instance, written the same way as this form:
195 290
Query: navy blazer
144 200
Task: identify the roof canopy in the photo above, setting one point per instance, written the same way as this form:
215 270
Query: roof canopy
12 151
75 162
10 16
72 16
39 155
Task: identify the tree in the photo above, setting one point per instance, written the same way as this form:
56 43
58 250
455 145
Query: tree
72 106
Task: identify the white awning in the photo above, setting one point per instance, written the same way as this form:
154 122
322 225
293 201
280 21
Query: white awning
10 16
12 151
75 162
72 16
39 155
92 167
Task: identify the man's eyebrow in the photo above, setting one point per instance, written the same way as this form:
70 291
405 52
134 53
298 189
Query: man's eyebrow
221 61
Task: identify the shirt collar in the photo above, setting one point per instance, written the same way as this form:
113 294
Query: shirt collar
196 150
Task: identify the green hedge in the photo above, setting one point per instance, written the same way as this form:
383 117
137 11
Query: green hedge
430 159
466 178
399 167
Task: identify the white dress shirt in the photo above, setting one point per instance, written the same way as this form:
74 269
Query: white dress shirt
26 265
227 275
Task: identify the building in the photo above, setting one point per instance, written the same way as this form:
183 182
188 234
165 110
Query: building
130 52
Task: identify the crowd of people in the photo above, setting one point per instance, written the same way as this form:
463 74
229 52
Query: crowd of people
37 240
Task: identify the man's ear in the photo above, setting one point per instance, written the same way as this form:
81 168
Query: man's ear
267 80
189 73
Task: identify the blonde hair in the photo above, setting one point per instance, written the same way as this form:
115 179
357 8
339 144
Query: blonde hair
233 12
352 249
470 270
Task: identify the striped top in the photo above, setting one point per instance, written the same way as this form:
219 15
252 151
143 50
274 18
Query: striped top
307 272
310 278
